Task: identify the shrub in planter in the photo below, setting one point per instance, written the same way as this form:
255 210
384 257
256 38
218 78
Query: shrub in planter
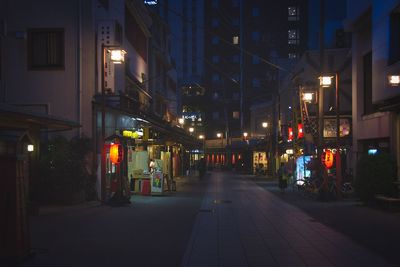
61 171
375 175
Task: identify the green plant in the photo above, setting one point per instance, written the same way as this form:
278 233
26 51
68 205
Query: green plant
62 169
375 175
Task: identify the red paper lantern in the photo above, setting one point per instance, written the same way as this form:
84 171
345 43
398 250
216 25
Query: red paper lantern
300 133
327 159
116 153
290 134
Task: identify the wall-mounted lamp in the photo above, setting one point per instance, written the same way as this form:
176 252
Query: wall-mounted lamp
201 136
325 81
191 130
117 55
394 80
219 135
245 134
289 151
30 148
265 124
307 97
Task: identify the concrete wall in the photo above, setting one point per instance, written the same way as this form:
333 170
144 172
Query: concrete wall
66 92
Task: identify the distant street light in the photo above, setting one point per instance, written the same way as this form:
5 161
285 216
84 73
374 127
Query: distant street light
265 124
191 130
181 121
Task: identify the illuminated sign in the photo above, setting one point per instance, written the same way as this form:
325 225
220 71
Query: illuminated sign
150 2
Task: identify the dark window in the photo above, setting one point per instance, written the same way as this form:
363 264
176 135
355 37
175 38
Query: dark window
46 49
367 67
135 35
394 31
255 12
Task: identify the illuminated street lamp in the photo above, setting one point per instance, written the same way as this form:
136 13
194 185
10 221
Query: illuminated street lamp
191 130
265 124
245 134
181 121
394 80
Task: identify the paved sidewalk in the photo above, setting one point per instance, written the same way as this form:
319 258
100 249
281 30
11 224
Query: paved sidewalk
241 224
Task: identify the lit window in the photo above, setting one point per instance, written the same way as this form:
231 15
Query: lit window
235 39
293 13
236 114
293 36
292 55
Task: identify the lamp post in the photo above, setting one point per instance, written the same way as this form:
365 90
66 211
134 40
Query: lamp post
326 81
268 152
117 56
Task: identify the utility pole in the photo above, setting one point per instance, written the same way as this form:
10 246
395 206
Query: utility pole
320 89
241 38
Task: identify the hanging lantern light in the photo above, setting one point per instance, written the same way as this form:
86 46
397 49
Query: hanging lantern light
116 153
327 159
290 134
300 133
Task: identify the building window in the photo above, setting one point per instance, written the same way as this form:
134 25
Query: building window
255 60
215 40
255 36
46 49
292 55
255 12
236 114
293 36
293 13
215 59
215 22
235 22
215 77
236 77
235 40
235 58
367 68
215 115
394 36
256 82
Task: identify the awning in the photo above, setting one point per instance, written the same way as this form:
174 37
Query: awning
13 117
